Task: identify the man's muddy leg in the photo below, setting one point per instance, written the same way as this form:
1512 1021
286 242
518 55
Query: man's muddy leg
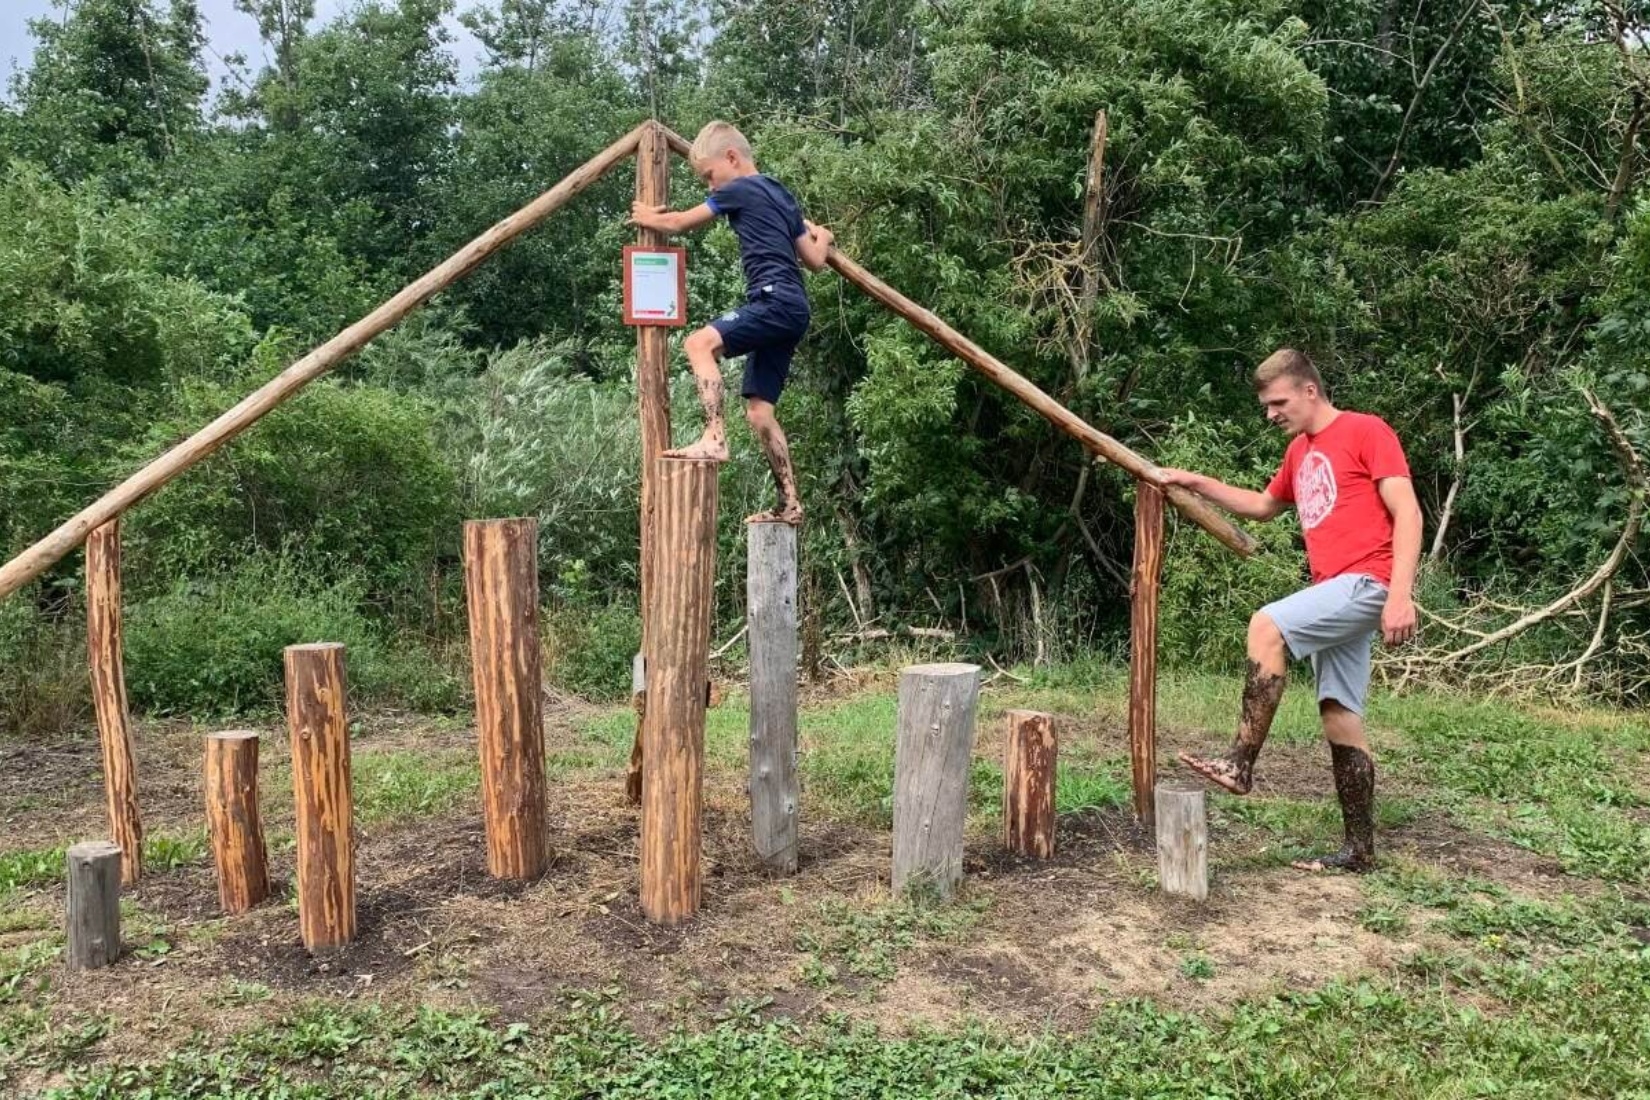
1262 691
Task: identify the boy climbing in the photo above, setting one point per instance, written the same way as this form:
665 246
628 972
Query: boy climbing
773 237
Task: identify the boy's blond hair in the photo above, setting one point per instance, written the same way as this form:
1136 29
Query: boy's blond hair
716 138
1287 363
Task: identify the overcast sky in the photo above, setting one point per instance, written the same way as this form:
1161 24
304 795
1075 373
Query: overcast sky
227 32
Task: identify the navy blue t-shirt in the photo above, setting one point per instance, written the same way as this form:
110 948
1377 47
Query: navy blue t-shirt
767 220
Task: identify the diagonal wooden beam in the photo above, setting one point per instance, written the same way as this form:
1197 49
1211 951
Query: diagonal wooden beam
43 554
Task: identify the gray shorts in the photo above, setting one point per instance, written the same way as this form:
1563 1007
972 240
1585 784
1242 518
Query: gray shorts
1333 624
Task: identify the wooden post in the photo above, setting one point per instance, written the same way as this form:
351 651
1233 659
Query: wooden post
1143 585
321 787
232 819
653 405
501 585
94 905
1182 840
39 557
770 592
678 656
1029 756
105 652
936 737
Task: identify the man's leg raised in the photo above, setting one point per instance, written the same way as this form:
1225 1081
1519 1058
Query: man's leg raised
1262 690
704 349
760 414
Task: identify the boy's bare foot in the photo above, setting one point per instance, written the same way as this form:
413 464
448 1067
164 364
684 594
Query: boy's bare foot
705 448
1219 771
1347 859
785 513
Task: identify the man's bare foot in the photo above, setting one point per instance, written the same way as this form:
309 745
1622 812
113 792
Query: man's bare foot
785 513
705 448
1347 859
1219 771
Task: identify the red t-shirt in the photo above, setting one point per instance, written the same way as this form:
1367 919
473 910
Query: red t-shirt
1330 479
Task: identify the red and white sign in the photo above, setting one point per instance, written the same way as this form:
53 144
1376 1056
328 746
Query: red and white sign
655 286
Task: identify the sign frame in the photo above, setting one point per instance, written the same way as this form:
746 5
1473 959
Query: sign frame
630 316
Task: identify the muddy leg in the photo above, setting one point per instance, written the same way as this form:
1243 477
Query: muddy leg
1354 768
703 349
774 444
1262 691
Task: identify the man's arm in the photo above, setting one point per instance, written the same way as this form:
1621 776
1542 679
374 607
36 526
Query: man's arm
1398 616
1240 502
664 220
813 248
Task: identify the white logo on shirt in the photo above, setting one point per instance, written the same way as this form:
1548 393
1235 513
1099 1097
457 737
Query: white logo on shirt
1314 489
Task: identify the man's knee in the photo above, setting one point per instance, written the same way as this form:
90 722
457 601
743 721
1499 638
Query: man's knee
758 413
703 341
1265 639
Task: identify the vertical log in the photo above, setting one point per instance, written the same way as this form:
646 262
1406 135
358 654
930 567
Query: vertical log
678 656
114 724
1143 586
653 403
1029 756
94 905
1182 840
321 788
936 737
501 584
770 591
232 819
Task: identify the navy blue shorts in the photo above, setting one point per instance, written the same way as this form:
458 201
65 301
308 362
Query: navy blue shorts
766 330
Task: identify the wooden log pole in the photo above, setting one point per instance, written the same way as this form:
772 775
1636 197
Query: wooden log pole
40 557
653 406
1182 840
93 917
233 822
501 584
937 704
321 788
770 593
1143 592
678 658
106 654
1029 758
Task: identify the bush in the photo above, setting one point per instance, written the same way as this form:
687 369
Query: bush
44 688
588 651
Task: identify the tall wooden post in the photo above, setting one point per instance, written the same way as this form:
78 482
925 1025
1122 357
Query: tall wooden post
678 656
321 788
936 737
233 821
1143 586
501 584
105 651
1029 757
94 905
770 592
653 403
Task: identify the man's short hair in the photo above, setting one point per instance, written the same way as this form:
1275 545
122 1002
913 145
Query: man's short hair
1287 363
716 138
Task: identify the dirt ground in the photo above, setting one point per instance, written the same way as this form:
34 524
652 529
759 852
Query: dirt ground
1045 944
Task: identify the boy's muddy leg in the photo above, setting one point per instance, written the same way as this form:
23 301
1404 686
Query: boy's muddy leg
1262 691
766 427
1354 768
702 349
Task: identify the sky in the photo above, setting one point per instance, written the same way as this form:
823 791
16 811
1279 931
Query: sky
227 31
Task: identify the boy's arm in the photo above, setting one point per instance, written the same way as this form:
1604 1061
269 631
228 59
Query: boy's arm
1240 502
813 248
664 220
1398 616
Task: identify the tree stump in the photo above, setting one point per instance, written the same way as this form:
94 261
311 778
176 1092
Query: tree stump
1029 757
105 651
936 737
770 590
94 905
321 788
233 822
1143 589
1182 840
678 657
501 583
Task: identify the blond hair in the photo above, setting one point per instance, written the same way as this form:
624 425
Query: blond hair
1287 363
717 137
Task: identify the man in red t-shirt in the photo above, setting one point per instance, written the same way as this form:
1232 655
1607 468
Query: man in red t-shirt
1346 475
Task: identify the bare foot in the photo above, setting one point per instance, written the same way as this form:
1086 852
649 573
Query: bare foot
1219 771
785 513
705 448
1347 859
